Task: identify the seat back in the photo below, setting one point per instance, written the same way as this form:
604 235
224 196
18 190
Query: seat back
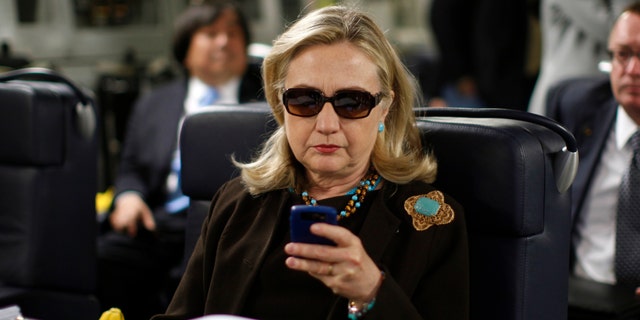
48 178
510 170
510 175
207 140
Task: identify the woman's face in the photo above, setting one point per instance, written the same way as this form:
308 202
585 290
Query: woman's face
330 146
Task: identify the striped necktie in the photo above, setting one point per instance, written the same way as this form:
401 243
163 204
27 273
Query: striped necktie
627 257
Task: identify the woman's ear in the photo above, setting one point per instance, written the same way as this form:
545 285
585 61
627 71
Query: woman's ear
385 110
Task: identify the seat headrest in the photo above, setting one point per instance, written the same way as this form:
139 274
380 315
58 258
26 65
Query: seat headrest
38 107
474 147
32 123
210 136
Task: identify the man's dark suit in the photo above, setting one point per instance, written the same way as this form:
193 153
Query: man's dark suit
152 136
587 108
142 266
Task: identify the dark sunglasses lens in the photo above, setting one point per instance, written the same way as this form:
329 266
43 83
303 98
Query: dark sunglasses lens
354 104
302 102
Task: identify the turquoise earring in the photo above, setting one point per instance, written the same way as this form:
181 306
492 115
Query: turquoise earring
380 127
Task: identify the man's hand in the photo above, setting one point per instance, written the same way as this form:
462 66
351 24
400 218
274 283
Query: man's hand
129 210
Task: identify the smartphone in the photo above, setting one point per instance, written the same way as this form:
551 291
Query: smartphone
303 216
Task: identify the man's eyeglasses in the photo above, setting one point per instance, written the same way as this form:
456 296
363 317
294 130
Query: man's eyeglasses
349 104
623 56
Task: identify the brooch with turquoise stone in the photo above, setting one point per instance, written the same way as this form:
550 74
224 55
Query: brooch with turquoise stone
428 209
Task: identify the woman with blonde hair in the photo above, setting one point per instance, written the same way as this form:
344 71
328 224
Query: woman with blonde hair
346 139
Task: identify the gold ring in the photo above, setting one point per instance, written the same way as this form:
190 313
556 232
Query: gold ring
330 272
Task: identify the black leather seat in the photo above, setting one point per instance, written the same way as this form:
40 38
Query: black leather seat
207 141
511 171
48 173
510 175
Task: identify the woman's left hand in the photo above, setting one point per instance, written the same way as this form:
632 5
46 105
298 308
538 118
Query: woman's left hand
345 268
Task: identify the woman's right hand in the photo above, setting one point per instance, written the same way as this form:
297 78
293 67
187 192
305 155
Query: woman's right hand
346 268
129 209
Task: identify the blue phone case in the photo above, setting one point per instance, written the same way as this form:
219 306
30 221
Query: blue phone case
303 216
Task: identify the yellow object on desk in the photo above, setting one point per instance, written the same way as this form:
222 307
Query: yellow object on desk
103 200
112 314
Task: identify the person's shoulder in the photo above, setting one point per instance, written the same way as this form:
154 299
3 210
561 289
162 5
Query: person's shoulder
582 88
233 197
578 94
585 83
235 189
414 186
229 194
418 188
176 87
234 186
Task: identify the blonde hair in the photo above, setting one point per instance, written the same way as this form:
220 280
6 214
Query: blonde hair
397 154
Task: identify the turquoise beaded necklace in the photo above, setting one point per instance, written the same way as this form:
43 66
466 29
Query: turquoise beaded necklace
358 193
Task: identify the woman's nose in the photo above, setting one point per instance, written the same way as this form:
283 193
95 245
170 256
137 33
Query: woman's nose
327 121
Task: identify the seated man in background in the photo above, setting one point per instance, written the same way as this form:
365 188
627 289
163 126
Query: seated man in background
144 235
604 116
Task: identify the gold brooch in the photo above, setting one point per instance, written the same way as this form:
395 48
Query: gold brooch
427 210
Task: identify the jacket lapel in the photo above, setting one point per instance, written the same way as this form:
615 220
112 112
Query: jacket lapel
378 228
591 137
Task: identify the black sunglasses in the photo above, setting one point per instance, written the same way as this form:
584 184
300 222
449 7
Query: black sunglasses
349 104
